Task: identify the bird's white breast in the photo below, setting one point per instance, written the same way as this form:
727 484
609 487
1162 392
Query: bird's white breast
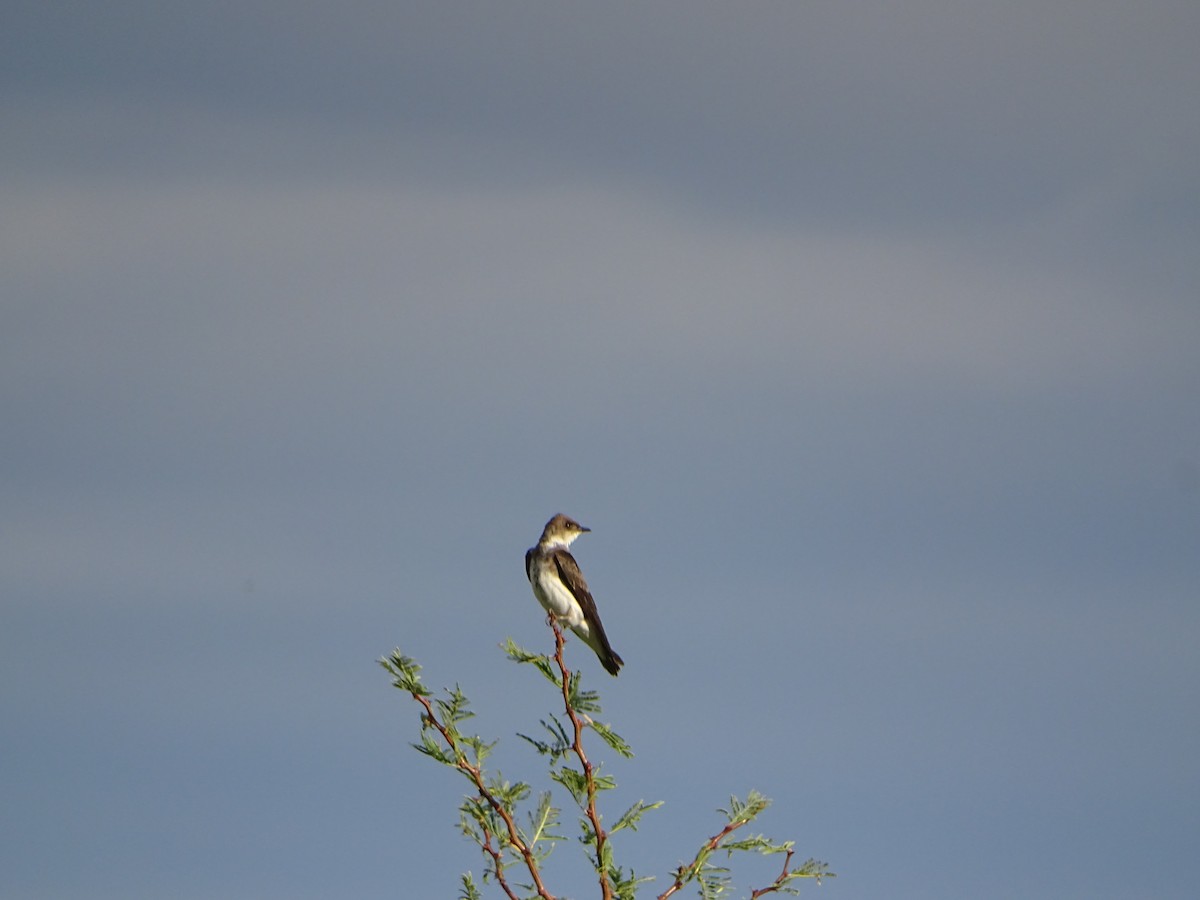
555 597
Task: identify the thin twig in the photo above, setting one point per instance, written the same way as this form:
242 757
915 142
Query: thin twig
779 882
588 770
682 873
497 864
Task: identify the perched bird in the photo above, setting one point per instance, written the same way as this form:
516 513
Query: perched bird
559 587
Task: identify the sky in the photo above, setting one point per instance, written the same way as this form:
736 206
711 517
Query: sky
863 336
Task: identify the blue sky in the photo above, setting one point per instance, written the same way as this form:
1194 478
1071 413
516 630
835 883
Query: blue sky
864 337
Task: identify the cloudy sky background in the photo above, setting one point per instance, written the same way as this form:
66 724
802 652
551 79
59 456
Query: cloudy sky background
864 335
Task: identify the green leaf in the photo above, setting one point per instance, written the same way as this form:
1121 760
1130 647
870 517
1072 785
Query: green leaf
633 815
558 746
455 708
586 702
479 747
431 748
405 673
625 884
469 889
540 746
754 842
611 738
714 881
539 661
574 781
812 868
606 856
543 822
748 811
508 794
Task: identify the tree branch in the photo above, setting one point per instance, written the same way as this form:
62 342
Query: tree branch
779 882
606 891
497 864
476 775
684 874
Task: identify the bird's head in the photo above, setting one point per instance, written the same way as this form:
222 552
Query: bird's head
562 530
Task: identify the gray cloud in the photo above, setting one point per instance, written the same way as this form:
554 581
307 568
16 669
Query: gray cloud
915 113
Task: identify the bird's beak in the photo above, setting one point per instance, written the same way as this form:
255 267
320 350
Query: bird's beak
584 528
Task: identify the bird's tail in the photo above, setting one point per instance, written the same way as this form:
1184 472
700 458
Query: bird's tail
611 661
609 658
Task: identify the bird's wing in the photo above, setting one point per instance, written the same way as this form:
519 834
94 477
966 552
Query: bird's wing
569 574
529 564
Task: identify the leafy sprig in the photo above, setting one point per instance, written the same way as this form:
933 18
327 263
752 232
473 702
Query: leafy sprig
516 835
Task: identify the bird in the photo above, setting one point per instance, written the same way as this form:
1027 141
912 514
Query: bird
560 588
